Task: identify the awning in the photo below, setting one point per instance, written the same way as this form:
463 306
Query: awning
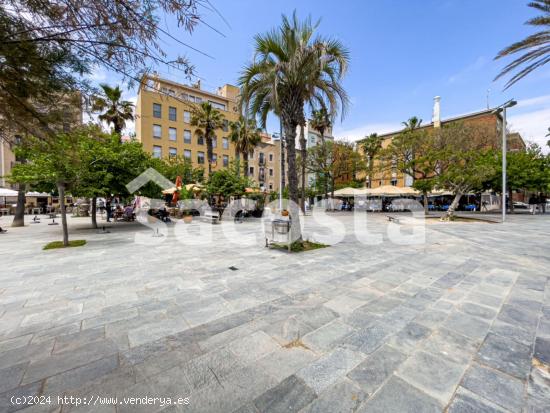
7 192
38 194
349 191
390 190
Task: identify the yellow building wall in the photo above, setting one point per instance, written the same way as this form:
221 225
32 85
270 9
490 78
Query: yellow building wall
145 121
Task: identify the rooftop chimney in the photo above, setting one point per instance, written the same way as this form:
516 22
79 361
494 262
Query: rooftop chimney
436 116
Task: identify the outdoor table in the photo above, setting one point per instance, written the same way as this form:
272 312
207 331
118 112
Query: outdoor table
36 211
4 211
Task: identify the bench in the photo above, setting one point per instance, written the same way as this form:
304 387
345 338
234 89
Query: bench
392 219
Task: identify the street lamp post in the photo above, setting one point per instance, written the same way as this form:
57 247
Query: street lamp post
502 108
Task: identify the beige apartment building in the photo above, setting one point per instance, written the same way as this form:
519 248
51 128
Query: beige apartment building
264 164
163 121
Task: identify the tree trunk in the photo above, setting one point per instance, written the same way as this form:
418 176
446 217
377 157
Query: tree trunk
283 164
209 154
19 217
290 130
451 211
303 152
510 193
425 195
94 212
332 194
245 163
61 188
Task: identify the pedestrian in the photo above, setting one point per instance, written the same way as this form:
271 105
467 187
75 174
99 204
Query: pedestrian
108 209
533 204
542 203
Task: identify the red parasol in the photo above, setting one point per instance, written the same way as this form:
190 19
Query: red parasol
178 185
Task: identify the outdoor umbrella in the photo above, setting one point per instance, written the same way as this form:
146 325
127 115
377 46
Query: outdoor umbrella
5 192
390 190
349 191
179 183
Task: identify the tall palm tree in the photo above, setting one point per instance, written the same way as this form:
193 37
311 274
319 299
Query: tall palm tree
292 68
245 134
412 123
114 110
371 147
207 119
535 48
321 121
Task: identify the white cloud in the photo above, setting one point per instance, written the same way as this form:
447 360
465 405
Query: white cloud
365 130
477 65
533 126
536 101
98 74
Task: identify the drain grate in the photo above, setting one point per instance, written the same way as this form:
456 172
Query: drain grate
233 268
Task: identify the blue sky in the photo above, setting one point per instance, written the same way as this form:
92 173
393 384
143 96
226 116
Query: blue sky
403 53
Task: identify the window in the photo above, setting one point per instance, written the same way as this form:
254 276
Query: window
157 110
186 136
187 154
157 131
270 157
261 160
172 152
270 172
214 142
200 140
157 151
200 157
225 161
214 158
172 113
219 106
225 143
394 182
270 186
251 170
187 117
225 125
173 134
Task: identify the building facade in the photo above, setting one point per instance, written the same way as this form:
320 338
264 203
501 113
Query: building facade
489 120
68 115
163 121
264 164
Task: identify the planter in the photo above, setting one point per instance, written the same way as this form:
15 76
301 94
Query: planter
284 213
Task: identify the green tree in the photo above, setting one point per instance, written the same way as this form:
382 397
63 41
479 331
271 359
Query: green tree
412 123
535 48
291 68
228 182
113 109
245 134
54 162
371 146
462 158
47 47
207 119
525 170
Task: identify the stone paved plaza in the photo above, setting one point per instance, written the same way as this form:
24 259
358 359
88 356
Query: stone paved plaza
458 324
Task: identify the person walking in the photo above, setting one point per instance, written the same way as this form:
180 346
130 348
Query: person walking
542 203
108 209
533 204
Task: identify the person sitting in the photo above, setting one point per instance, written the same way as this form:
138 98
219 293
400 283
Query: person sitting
129 213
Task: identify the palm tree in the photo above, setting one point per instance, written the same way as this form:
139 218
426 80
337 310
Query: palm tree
292 67
245 134
371 146
412 123
535 48
115 111
320 121
207 119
